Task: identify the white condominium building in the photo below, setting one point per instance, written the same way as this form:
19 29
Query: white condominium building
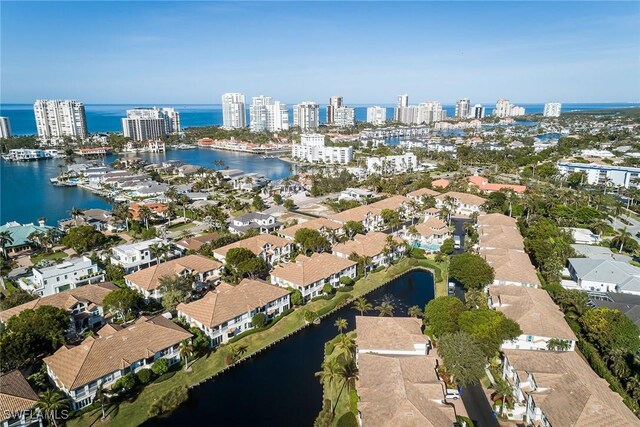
335 102
552 109
403 101
344 116
376 115
603 175
57 118
233 111
425 112
268 115
313 150
144 124
504 108
463 108
392 164
5 128
306 115
477 112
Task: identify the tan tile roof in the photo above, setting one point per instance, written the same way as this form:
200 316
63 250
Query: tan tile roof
16 394
511 265
533 309
97 357
370 244
255 244
307 270
92 294
432 226
423 192
440 183
569 392
393 202
314 224
500 236
401 391
228 302
389 333
194 243
483 184
496 219
149 278
464 198
355 214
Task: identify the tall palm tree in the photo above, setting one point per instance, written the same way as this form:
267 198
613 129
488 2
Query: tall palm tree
362 305
623 236
186 351
346 345
328 376
103 399
502 390
5 240
50 403
145 215
341 324
348 375
385 309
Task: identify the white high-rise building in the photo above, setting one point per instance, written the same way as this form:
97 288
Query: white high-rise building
335 102
429 112
403 101
344 117
312 149
504 108
233 111
552 109
402 111
305 115
463 108
57 118
5 128
268 115
477 112
376 115
147 124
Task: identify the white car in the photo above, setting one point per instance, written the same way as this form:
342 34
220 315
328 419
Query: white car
452 393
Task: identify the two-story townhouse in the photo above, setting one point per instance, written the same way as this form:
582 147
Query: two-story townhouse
381 248
205 272
310 274
228 310
369 216
540 319
134 256
327 227
428 235
100 361
260 222
196 242
17 401
421 194
84 305
460 203
272 249
70 274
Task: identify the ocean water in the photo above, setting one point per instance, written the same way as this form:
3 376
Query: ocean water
106 118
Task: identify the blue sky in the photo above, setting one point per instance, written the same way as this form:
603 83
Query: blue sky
192 52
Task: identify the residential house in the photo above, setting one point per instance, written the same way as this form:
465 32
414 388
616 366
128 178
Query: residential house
483 184
560 389
373 245
327 227
310 274
205 272
134 256
262 223
461 203
272 249
98 362
584 236
540 319
100 219
599 252
421 193
440 183
69 274
369 217
17 401
357 194
20 233
602 275
84 305
158 209
431 234
195 243
398 383
228 310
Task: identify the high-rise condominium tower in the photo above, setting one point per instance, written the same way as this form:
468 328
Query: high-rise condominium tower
552 109
233 111
463 108
478 111
5 128
504 108
57 118
267 115
376 115
305 115
335 102
144 124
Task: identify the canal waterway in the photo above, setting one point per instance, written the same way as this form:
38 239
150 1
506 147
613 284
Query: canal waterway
278 387
27 194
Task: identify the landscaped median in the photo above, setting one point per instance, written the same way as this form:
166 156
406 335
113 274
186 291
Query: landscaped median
203 369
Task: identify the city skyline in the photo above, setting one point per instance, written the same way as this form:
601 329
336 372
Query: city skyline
487 51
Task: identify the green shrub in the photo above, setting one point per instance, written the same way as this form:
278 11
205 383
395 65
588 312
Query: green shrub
346 280
259 320
160 367
328 289
345 288
347 420
165 377
126 383
144 375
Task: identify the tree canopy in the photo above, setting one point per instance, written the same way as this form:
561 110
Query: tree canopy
122 302
311 241
462 357
84 238
490 328
471 270
609 329
175 290
441 314
241 263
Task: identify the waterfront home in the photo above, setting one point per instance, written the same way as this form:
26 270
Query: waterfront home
460 203
398 383
158 209
17 401
325 226
560 389
228 310
69 274
430 234
204 271
263 223
196 242
483 184
84 305
357 194
374 245
249 182
24 155
605 275
187 170
310 274
100 219
20 233
98 362
272 249
540 319
134 256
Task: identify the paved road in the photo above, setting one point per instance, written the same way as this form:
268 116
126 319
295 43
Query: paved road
478 408
458 223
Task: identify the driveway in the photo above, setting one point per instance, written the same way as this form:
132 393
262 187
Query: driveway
458 223
477 406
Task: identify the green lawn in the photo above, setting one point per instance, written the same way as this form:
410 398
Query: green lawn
134 413
181 226
344 395
50 256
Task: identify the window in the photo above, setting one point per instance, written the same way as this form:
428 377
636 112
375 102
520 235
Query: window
529 338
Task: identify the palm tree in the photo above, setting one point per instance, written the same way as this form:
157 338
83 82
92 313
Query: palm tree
415 311
186 351
103 399
36 237
75 213
362 305
50 402
346 345
341 324
5 240
385 309
328 376
348 374
145 215
502 390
